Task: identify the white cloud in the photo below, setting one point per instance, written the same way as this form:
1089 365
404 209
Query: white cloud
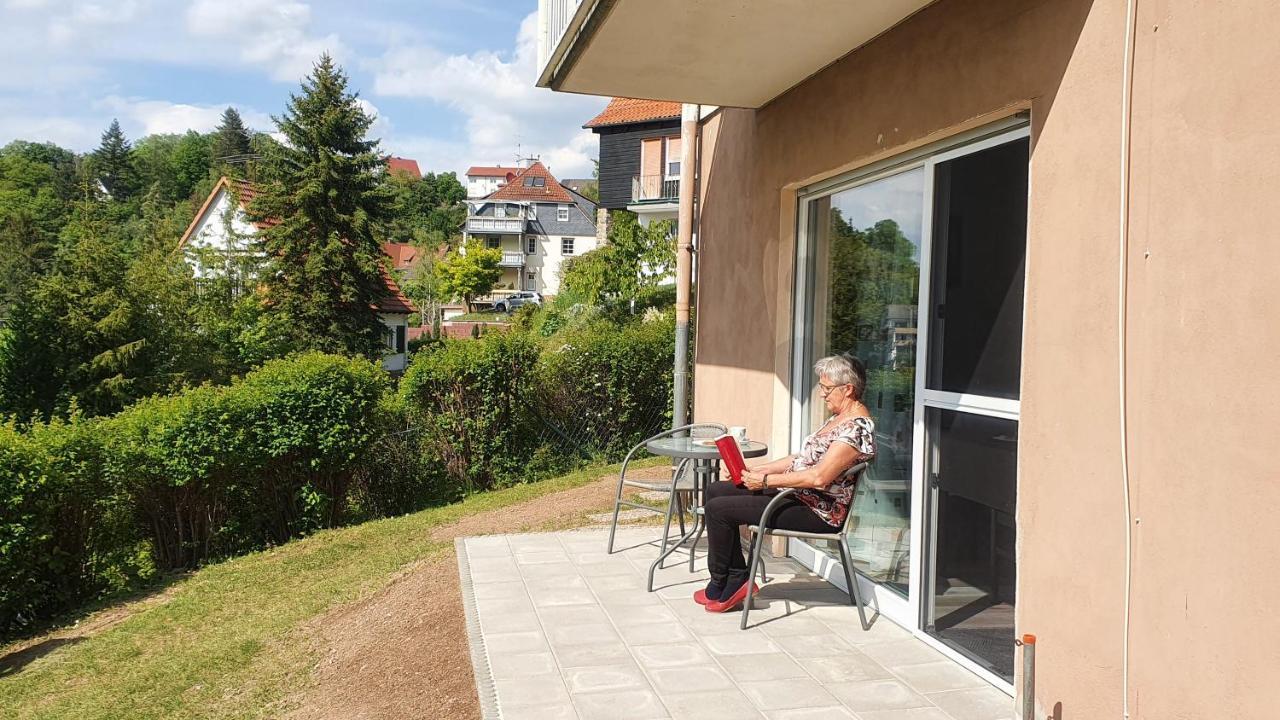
147 117
275 36
503 109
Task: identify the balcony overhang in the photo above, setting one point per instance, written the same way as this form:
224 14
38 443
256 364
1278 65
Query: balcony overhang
736 53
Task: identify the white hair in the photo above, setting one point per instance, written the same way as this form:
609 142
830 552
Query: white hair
843 369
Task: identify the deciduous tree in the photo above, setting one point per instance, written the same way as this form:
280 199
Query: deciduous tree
471 271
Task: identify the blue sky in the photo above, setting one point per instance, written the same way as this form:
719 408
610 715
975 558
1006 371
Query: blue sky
451 81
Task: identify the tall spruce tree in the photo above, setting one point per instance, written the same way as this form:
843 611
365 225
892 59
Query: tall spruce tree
231 142
113 164
322 200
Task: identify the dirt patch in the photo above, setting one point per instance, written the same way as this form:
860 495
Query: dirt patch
404 651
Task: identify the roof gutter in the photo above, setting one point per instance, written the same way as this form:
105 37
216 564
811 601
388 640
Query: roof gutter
582 27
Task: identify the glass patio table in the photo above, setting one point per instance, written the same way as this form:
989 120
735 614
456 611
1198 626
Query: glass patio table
706 469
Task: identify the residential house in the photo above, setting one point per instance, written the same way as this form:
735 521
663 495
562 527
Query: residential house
1046 227
639 157
404 166
221 232
483 179
537 223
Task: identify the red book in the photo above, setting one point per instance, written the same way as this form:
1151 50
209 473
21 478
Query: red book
731 454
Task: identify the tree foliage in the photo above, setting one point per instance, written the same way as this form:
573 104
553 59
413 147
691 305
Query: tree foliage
231 141
113 164
323 201
471 271
636 259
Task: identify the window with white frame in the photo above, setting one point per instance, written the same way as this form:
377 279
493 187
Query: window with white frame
562 213
530 281
530 245
566 246
500 210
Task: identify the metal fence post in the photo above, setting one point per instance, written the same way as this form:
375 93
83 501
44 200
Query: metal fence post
1028 709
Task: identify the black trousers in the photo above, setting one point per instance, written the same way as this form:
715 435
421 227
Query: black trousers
727 508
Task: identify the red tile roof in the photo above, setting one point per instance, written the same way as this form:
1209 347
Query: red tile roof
483 171
622 111
404 165
403 255
550 191
245 191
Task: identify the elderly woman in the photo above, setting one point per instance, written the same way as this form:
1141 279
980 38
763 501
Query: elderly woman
820 470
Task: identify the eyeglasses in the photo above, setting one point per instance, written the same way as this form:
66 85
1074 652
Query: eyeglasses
825 389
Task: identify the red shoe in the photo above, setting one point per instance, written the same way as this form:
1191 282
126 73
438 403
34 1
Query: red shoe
700 597
733 600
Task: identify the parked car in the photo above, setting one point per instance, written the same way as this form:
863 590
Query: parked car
515 300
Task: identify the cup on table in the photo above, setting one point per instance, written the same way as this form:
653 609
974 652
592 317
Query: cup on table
739 433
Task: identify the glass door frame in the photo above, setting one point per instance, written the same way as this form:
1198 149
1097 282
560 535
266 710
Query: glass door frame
908 612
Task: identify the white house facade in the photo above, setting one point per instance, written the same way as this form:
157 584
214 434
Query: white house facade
221 234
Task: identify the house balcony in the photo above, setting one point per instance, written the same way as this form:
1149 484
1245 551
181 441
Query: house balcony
654 188
734 54
511 259
477 224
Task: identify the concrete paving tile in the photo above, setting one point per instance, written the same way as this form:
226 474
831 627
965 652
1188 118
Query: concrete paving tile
540 542
654 633
628 598
515 642
606 569
894 653
847 668
506 665
511 603
793 623
740 643
878 695
807 646
542 582
599 653
497 590
644 615
850 629
572 615
787 694
616 583
776 666
834 712
605 678
693 678
593 555
542 557
509 622
530 691
985 703
625 705
929 713
581 634
668 655
552 597
549 571
560 711
719 705
938 676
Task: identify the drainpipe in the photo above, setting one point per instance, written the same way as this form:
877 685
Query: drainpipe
684 261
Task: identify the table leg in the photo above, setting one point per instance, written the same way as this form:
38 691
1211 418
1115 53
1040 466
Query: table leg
702 470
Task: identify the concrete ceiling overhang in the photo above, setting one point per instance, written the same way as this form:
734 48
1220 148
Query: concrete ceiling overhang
737 53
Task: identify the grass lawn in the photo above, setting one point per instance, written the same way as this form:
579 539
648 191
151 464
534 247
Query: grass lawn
227 642
482 316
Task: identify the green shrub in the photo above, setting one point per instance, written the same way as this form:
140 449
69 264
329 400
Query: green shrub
396 475
610 386
65 536
470 398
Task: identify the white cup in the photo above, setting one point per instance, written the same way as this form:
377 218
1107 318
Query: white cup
739 433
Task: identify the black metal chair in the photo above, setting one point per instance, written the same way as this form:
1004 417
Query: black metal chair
682 483
840 538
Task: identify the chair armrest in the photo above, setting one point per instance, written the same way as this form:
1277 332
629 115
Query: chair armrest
772 507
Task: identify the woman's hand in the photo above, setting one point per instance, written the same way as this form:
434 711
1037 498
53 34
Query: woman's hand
753 480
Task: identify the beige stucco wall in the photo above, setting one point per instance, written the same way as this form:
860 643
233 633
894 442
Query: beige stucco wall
1202 340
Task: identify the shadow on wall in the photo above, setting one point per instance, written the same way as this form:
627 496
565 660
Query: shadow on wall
954 61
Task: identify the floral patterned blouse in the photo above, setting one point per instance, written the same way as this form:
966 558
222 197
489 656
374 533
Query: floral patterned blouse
832 503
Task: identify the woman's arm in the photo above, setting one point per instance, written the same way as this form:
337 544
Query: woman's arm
837 459
775 466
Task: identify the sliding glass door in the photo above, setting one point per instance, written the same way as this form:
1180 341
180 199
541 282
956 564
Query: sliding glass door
917 268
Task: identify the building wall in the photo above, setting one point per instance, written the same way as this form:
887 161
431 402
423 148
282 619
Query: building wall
1201 338
620 158
211 232
548 262
480 185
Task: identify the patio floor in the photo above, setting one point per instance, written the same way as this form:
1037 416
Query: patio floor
560 629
